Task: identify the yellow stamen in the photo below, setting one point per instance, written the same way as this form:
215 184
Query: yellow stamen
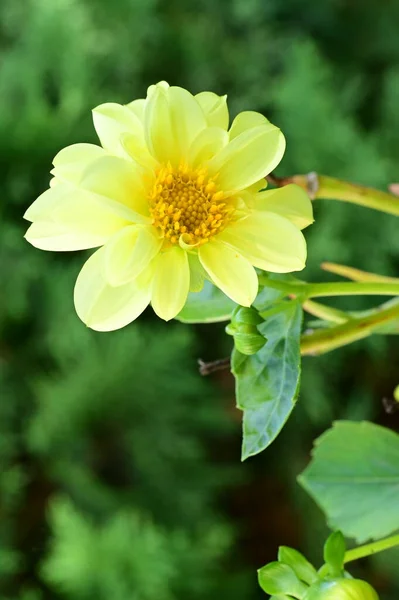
186 201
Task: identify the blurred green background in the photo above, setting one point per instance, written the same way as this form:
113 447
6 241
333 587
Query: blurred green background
119 465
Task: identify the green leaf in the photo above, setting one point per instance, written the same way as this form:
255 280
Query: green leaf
208 306
354 477
334 553
303 569
276 578
267 382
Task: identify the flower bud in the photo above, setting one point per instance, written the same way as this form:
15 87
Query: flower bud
341 589
243 327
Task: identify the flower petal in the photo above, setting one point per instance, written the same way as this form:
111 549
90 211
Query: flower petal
230 271
67 218
120 180
197 273
136 148
103 307
248 157
290 201
248 119
214 108
110 121
269 241
71 161
137 107
207 143
58 238
171 283
129 252
172 120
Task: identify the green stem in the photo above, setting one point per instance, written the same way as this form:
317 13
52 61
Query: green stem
350 288
321 186
335 189
326 313
336 288
373 548
324 340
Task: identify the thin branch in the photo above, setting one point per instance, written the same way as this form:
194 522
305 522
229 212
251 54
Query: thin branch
206 368
321 186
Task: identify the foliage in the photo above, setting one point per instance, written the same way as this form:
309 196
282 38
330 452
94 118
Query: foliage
328 74
357 462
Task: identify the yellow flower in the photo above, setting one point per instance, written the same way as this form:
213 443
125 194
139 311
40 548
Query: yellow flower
171 197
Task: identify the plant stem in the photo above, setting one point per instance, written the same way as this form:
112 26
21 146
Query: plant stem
356 274
373 548
324 340
336 288
351 288
321 186
327 313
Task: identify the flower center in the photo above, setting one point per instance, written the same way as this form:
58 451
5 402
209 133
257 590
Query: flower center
185 204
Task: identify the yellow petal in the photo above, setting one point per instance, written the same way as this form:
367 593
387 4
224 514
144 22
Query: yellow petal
269 241
71 161
248 157
197 273
110 121
230 271
171 283
137 107
119 180
290 201
214 108
136 148
103 307
67 218
57 237
172 120
247 119
129 252
207 143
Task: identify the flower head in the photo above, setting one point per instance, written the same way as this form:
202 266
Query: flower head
173 195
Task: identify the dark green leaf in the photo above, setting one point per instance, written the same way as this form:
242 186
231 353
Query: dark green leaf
354 477
208 306
267 382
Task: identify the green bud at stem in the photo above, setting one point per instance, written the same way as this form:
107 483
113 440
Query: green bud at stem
243 327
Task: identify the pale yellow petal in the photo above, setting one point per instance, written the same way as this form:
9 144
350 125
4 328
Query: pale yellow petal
136 148
164 85
57 237
269 241
197 273
137 107
261 184
248 157
110 121
207 143
75 211
172 120
120 180
247 119
215 109
71 161
290 201
129 252
230 271
103 307
171 283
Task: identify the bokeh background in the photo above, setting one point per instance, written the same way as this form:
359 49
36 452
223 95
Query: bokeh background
119 464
